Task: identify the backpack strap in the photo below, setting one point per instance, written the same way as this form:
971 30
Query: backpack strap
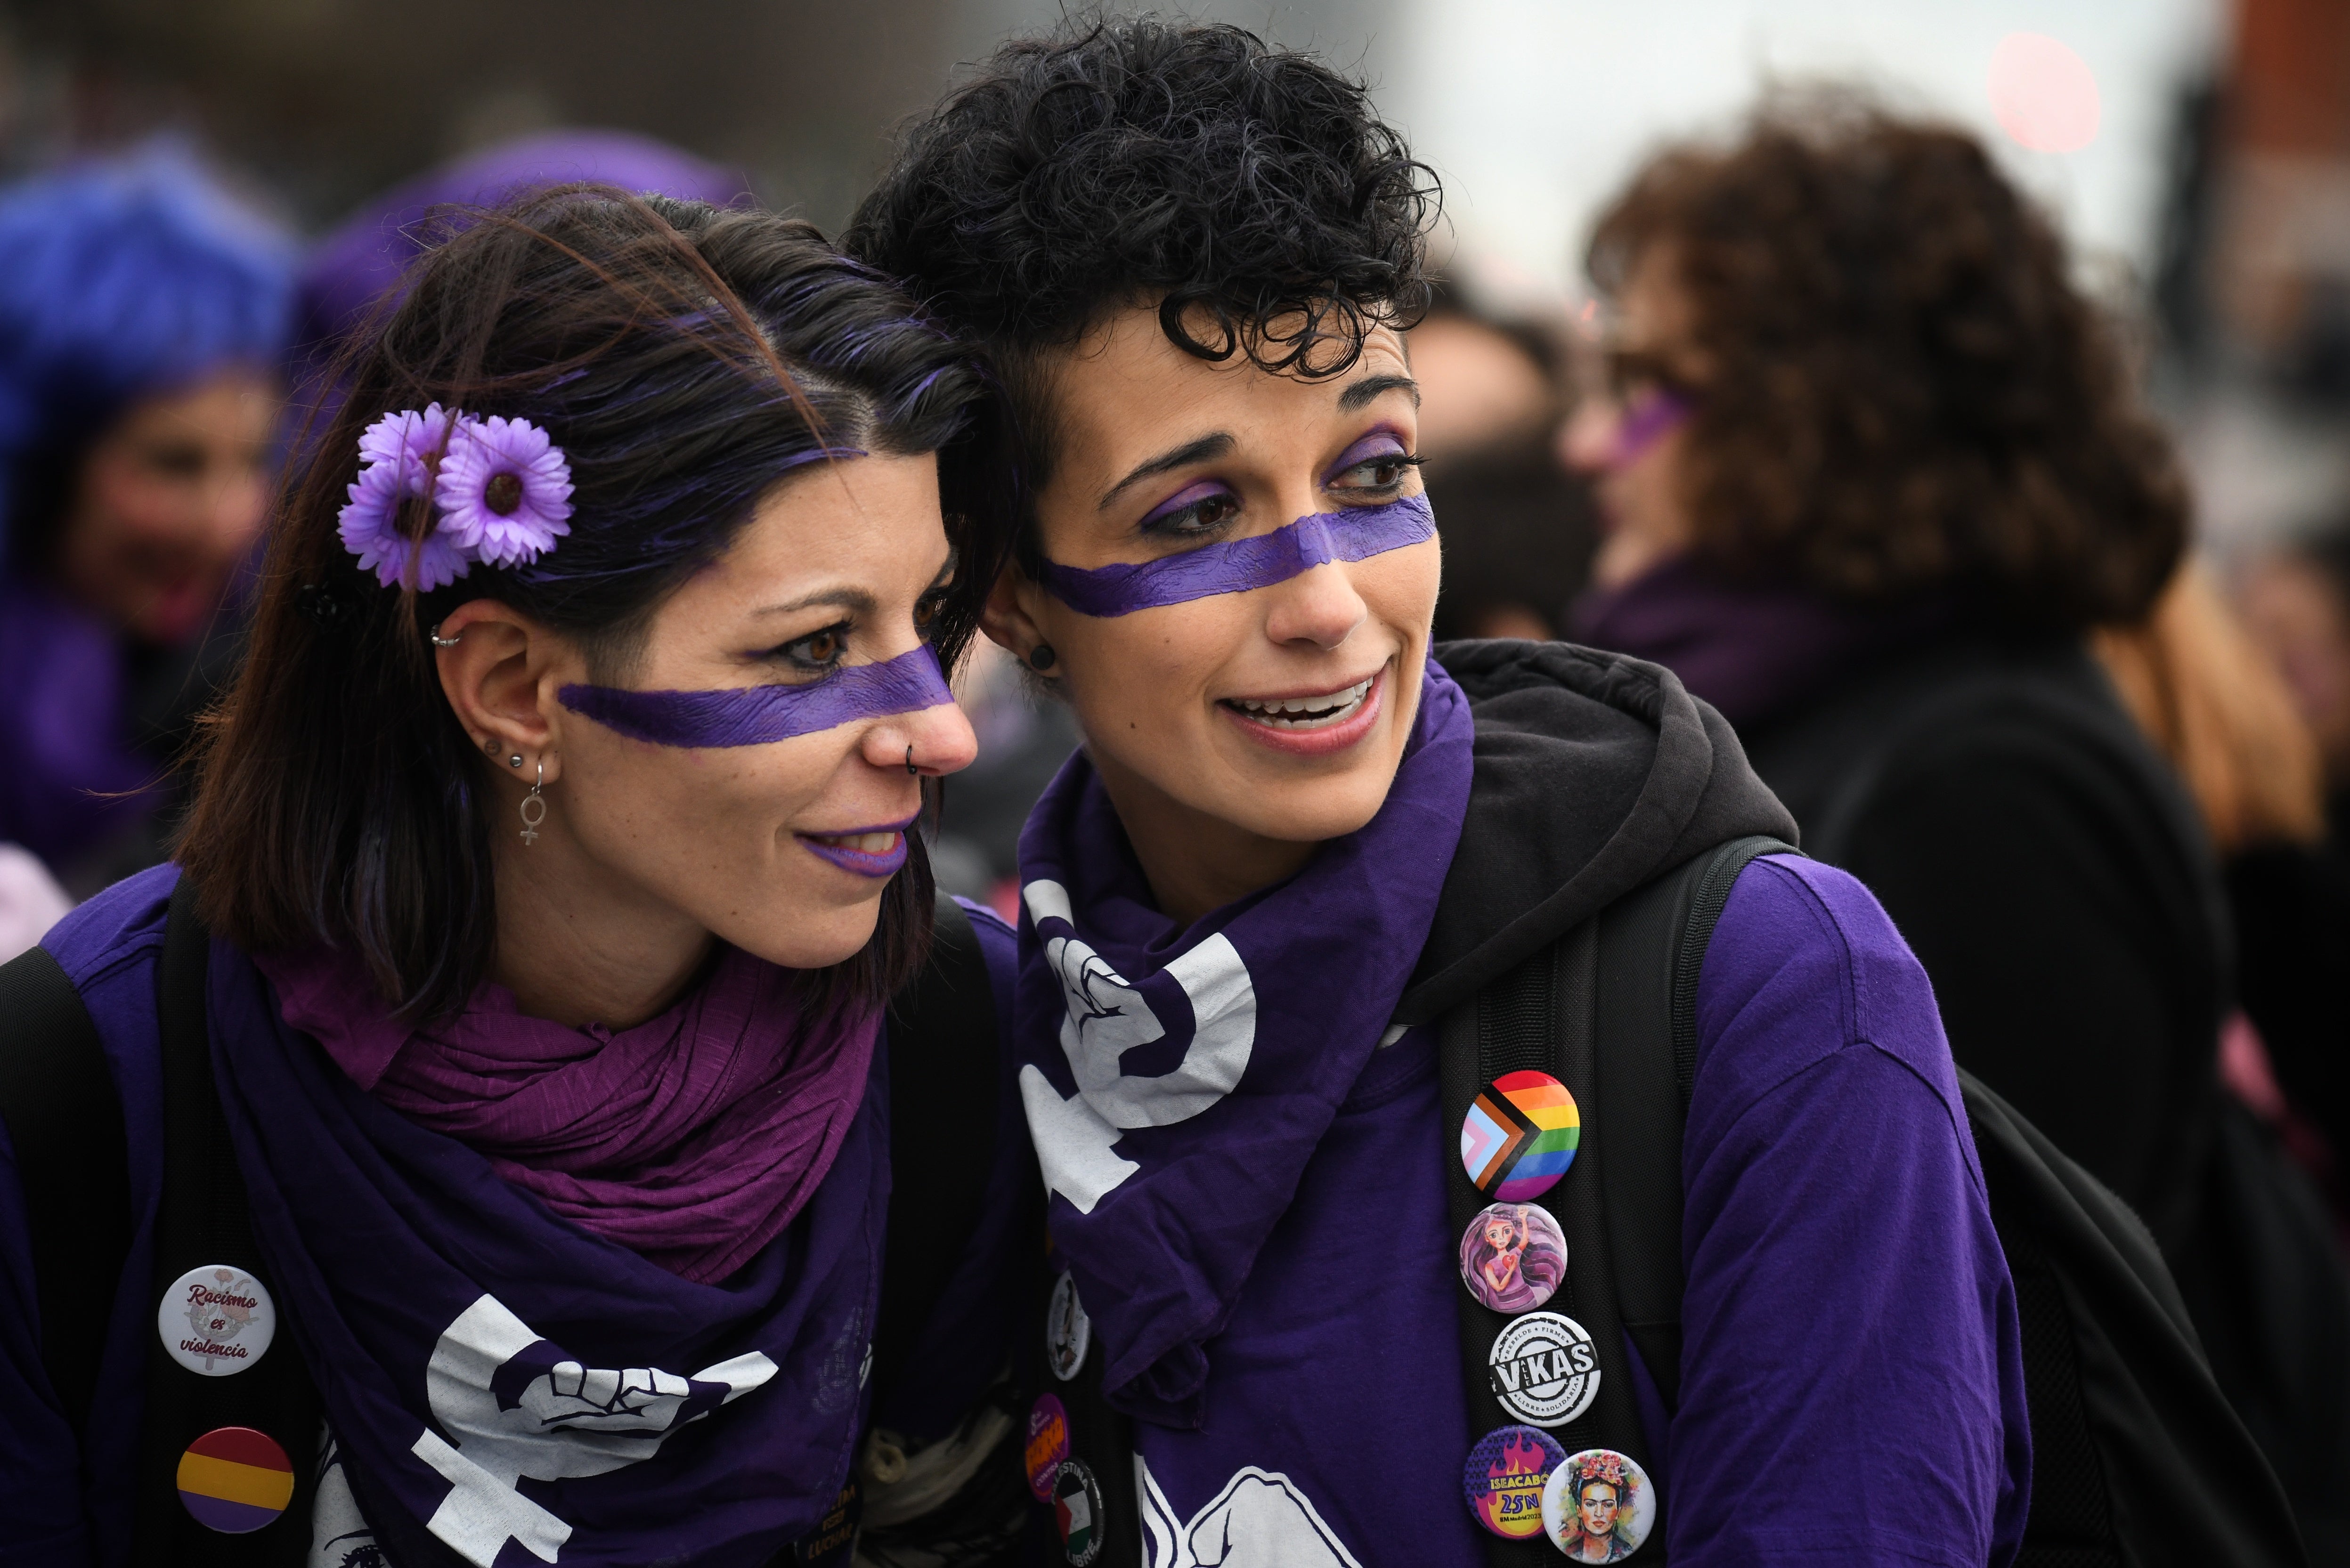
65 1126
1101 1440
204 1221
1652 945
1610 1011
1540 1016
943 1065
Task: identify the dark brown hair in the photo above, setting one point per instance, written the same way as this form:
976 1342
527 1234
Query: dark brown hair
1902 389
685 359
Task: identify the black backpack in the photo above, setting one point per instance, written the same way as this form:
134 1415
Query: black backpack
65 1126
2257 1262
2136 1458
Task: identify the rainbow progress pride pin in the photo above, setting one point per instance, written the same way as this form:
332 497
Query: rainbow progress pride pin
1520 1135
236 1479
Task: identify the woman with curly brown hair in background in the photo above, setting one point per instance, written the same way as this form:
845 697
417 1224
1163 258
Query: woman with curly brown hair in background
1872 468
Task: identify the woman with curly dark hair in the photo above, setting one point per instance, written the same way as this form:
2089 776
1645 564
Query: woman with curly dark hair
1280 1000
1872 466
1875 470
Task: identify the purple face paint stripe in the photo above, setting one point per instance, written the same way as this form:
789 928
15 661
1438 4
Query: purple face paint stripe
755 715
1659 415
1237 565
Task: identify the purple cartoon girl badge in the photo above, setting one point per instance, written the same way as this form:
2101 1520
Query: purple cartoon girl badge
1512 1256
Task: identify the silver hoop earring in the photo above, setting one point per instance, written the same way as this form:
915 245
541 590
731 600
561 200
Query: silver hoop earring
440 642
531 819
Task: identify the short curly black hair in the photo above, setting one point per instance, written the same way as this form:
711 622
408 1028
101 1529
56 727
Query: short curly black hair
1250 192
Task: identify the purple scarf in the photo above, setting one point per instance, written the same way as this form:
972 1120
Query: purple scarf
1177 1080
71 777
505 1384
1752 650
691 1139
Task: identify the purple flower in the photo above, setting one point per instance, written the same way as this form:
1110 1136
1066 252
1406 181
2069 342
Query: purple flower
409 443
369 524
504 491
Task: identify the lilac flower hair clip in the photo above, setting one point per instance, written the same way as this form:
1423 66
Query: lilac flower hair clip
500 489
504 491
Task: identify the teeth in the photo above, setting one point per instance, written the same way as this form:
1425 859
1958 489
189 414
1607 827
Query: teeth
864 843
1301 712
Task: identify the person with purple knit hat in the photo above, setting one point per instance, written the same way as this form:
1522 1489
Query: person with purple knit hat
143 314
503 1063
362 261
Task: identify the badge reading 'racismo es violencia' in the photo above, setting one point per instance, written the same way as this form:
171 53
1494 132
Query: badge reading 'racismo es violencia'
1543 1369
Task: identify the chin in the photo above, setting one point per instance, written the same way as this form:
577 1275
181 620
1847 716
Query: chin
1298 811
801 937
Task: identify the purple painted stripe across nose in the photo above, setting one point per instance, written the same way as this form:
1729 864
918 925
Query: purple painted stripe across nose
1237 565
755 715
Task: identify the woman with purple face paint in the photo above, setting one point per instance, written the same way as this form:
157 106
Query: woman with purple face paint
550 865
1273 910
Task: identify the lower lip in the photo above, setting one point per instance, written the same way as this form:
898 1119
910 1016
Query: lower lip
864 863
1319 742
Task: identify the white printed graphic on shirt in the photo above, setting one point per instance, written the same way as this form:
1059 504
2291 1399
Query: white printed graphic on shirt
571 1420
339 1536
1108 1018
1260 1519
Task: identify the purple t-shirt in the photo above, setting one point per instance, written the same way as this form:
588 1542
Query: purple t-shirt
1852 1375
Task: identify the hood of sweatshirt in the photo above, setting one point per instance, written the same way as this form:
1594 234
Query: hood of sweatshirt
1594 774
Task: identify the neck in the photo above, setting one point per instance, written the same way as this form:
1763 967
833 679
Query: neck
577 948
1194 862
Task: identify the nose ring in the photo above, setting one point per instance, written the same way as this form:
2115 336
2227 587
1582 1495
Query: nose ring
909 760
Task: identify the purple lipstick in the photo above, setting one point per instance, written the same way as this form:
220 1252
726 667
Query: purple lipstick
875 852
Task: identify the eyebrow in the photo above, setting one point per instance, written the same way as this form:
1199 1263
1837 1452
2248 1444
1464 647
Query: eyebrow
855 601
1370 388
1189 453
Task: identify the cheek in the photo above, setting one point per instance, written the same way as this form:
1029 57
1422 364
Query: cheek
1134 674
666 813
123 507
1399 588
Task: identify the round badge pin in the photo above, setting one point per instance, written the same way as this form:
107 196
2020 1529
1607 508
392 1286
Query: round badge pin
1598 1506
1048 1445
234 1479
1543 1369
1512 1256
1520 1135
1077 1513
1068 1331
1505 1477
216 1320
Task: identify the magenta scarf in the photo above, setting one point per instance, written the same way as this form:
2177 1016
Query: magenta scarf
691 1139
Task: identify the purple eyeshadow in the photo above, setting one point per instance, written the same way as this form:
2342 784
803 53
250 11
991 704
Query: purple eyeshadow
1189 495
755 715
1237 565
1379 444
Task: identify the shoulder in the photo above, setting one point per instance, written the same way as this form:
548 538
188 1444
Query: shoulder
999 944
118 930
1806 964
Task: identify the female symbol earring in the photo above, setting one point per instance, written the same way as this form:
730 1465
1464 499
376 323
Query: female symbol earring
531 819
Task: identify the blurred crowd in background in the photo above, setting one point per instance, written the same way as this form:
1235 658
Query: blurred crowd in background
204 202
